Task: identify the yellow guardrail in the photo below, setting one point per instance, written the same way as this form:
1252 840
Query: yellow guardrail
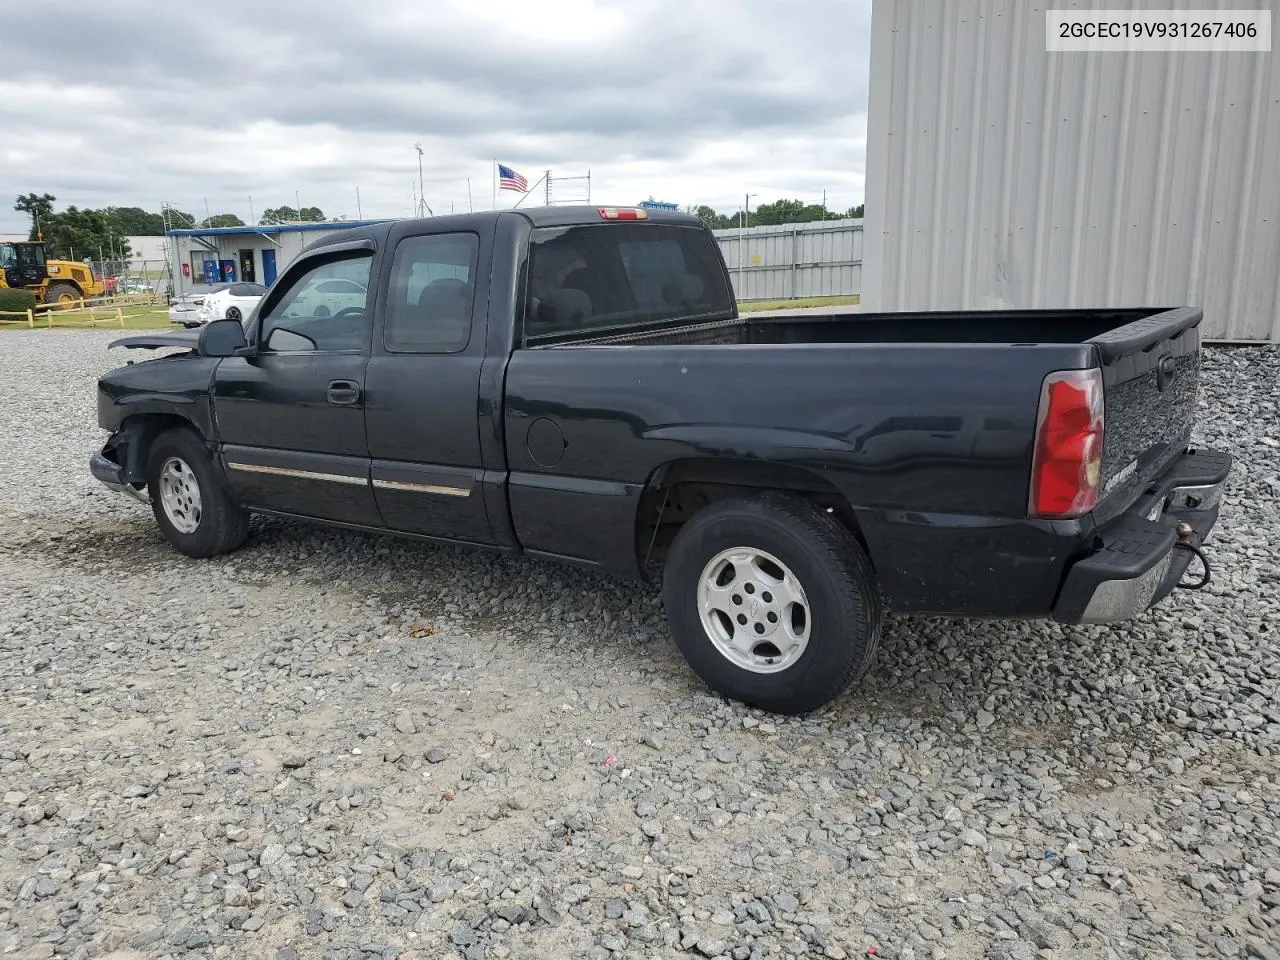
81 313
25 316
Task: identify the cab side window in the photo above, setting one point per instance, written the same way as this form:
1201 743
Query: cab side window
432 291
323 310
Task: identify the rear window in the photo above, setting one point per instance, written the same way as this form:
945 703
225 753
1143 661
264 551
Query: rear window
593 278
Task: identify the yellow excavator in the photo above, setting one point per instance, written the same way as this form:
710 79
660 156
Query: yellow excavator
23 266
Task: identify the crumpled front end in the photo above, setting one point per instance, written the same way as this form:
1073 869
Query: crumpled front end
117 464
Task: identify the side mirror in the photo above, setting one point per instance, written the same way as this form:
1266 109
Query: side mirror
221 338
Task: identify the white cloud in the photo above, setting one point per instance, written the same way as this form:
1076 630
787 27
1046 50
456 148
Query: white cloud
694 101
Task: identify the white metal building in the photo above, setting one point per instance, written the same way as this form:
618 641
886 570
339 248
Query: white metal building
1003 176
257 254
147 252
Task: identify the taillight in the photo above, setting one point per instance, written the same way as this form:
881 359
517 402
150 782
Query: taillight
623 213
1066 467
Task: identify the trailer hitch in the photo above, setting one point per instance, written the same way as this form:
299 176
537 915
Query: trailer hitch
1184 532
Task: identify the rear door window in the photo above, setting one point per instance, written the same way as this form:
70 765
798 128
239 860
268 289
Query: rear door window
593 278
432 289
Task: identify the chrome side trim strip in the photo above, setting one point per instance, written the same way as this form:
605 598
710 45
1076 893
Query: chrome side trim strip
436 488
299 474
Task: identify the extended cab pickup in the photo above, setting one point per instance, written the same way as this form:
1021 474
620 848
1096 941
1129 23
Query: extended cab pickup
576 383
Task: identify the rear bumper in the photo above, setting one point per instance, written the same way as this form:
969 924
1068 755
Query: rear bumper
1138 560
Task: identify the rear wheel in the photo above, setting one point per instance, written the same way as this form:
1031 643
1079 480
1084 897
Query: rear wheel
188 498
233 313
772 602
61 293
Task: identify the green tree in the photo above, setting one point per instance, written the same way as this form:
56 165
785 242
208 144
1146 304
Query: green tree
222 220
713 219
178 219
780 211
134 222
287 214
273 215
77 234
770 214
37 206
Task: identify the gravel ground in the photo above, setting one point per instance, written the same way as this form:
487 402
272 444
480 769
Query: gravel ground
336 746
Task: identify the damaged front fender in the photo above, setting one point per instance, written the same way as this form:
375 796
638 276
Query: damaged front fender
121 463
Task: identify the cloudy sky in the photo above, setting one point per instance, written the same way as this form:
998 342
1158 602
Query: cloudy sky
693 101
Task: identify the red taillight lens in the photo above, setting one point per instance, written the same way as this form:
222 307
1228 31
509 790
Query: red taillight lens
1066 468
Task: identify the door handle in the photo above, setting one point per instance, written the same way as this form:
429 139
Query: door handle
343 393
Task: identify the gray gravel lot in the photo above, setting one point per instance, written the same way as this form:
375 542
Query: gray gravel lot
336 746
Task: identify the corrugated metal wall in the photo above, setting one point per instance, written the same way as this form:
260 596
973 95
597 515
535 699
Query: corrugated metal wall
820 259
1000 175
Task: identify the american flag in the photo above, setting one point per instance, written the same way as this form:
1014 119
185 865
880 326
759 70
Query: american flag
508 179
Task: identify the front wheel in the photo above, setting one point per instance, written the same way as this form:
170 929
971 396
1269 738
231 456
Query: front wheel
233 313
63 293
772 602
191 505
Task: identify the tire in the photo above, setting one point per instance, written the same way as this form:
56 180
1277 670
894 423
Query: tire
203 524
61 293
233 313
733 550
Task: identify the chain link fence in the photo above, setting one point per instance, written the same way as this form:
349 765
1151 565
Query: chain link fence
132 276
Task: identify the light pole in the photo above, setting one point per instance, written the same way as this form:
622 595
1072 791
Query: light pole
422 197
742 241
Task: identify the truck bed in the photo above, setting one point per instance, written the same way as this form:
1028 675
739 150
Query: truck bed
1013 327
1149 414
923 422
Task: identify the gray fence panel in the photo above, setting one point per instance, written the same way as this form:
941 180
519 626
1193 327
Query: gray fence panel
789 261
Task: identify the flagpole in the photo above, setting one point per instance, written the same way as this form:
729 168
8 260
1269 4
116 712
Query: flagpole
493 182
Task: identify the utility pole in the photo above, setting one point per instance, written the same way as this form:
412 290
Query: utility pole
742 242
548 188
359 212
422 196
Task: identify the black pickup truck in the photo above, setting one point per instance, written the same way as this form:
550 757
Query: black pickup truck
576 383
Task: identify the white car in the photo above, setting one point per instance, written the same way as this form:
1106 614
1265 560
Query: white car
326 296
230 301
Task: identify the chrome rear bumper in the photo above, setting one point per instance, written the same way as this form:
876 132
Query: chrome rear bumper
1140 560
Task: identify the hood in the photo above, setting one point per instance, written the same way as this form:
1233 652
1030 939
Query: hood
154 341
